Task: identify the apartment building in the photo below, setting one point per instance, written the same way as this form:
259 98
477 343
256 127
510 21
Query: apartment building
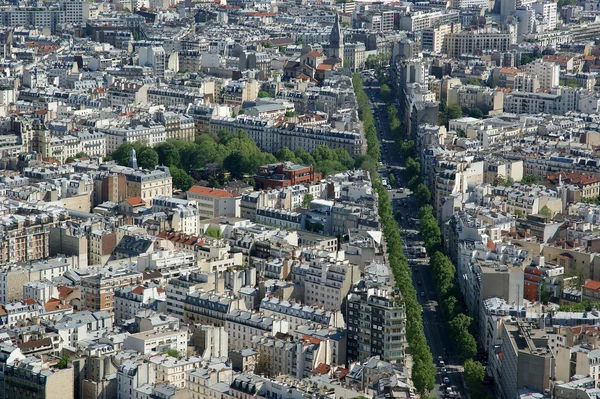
200 379
271 137
28 379
297 314
547 73
376 323
214 203
419 20
13 278
154 341
484 98
241 326
484 277
98 291
41 18
128 301
433 38
122 94
149 133
328 281
478 42
177 126
525 360
25 234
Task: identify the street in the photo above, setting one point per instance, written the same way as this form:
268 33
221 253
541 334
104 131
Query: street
435 327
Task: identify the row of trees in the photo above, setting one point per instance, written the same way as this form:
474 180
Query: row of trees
444 272
423 370
365 115
235 154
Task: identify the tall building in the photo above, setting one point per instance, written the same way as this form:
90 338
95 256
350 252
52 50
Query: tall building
328 281
336 39
376 320
31 380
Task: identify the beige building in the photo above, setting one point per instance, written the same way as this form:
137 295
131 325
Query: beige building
484 98
505 169
147 342
31 380
149 184
433 38
97 292
354 55
213 202
478 41
328 281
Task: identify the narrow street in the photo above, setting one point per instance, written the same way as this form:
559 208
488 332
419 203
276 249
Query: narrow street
435 327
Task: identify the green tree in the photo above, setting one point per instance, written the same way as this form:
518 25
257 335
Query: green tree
235 164
121 154
63 363
450 306
546 213
474 82
173 353
531 179
69 160
454 112
465 342
307 200
181 180
386 93
571 83
398 215
299 41
413 167
213 232
147 158
407 148
285 154
422 194
413 183
474 374
264 94
392 180
168 153
81 155
476 113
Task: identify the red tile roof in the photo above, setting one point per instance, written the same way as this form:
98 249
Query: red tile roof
135 201
592 285
210 192
64 291
139 290
324 67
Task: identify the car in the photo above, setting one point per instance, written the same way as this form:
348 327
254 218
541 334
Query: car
450 393
447 382
419 283
400 190
443 371
422 293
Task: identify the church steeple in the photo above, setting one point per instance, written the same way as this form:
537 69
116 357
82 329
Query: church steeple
132 159
336 39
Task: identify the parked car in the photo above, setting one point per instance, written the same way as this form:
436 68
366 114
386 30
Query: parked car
447 382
